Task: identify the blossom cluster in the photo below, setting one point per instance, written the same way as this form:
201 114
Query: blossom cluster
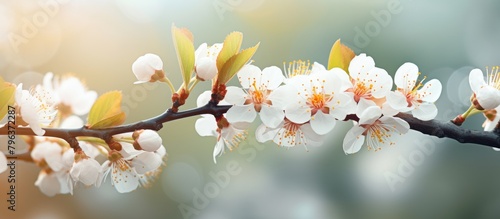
300 104
132 159
297 106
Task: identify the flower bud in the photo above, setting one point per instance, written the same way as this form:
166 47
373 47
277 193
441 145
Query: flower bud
147 140
148 68
85 169
206 69
206 64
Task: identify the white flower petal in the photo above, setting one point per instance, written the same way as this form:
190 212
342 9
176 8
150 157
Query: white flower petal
72 122
206 68
370 115
382 83
353 140
282 96
476 80
488 97
128 151
322 123
298 113
343 77
85 171
149 140
249 74
398 124
48 184
327 81
144 67
264 134
203 99
311 138
146 162
200 52
317 67
425 111
124 181
218 149
69 90
341 105
206 126
83 104
235 95
387 110
245 113
363 104
271 116
272 77
406 76
68 157
431 91
360 65
65 182
301 84
397 101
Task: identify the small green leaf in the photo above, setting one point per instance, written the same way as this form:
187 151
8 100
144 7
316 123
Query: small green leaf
106 111
340 56
7 91
235 63
183 42
231 46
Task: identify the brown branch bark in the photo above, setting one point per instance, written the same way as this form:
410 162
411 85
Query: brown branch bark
433 127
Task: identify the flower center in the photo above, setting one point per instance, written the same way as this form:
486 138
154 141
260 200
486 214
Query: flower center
116 158
362 90
378 134
44 105
298 67
317 101
257 95
493 77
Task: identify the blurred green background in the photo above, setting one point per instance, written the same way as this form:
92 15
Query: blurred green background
420 177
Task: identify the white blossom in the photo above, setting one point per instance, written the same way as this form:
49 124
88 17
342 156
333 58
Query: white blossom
85 169
487 92
289 134
36 108
70 94
52 182
412 95
206 61
147 140
372 127
146 68
320 99
368 82
126 166
492 119
260 94
228 135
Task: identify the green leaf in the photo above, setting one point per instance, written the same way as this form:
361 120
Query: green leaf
340 56
106 111
235 63
7 91
183 42
231 46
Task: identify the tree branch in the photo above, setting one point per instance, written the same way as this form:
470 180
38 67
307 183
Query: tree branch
449 130
155 123
432 127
